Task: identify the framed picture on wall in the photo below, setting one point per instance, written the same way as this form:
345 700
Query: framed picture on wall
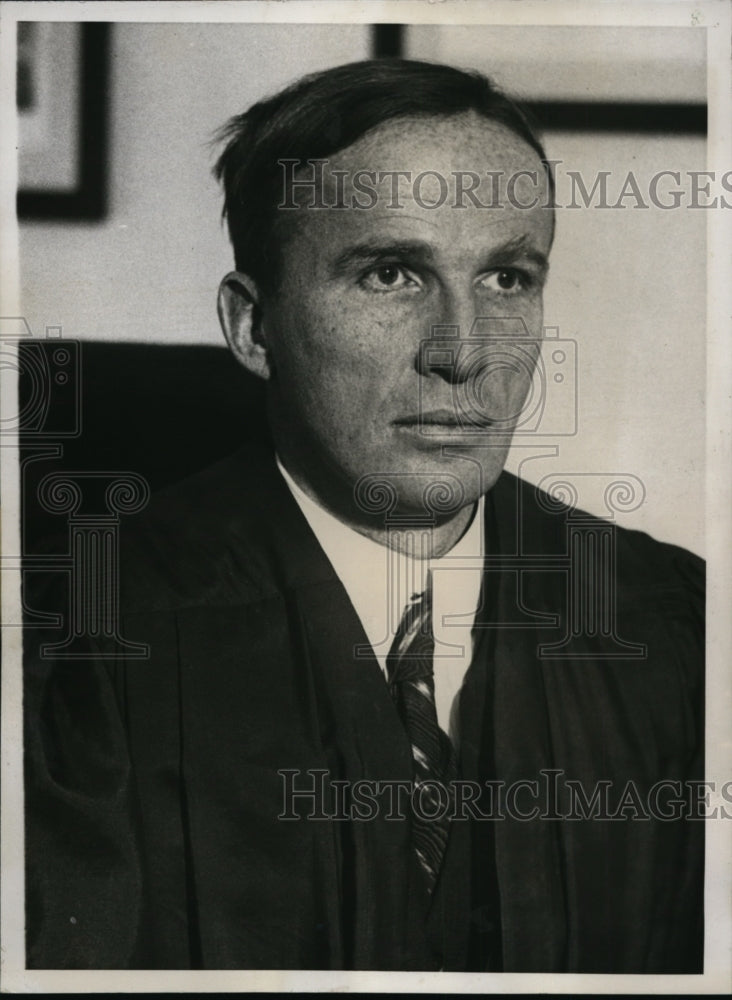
62 84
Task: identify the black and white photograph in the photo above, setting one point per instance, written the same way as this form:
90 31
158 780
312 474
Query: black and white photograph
366 497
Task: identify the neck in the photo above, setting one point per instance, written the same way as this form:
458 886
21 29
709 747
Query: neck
437 539
406 532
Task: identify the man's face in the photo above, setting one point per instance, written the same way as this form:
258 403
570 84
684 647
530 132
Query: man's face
361 381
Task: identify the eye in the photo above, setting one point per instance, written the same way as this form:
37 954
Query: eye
386 278
506 281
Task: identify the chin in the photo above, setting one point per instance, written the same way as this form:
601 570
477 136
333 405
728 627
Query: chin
477 467
436 486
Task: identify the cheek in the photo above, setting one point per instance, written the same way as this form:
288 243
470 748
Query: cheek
341 336
533 315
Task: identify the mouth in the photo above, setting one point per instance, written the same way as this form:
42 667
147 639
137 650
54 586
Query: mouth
446 420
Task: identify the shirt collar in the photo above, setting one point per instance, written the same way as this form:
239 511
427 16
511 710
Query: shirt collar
380 581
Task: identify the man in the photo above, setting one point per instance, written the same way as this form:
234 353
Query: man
367 604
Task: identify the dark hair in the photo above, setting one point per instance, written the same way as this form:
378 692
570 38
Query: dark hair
323 113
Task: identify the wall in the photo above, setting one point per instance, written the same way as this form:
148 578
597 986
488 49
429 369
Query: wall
151 270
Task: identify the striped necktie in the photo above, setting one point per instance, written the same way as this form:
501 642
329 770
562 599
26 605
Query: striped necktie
411 683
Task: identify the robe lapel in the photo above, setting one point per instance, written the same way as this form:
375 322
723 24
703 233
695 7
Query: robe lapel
285 691
265 891
528 858
384 902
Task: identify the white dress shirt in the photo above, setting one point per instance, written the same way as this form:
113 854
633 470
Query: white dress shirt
379 582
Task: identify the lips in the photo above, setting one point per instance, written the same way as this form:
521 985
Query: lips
447 419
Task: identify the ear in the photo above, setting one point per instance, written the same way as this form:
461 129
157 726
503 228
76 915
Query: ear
241 320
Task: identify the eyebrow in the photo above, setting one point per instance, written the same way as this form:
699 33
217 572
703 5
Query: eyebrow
516 249
378 251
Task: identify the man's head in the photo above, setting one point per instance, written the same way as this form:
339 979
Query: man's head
355 296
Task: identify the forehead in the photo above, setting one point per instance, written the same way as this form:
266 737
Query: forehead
465 142
421 178
427 156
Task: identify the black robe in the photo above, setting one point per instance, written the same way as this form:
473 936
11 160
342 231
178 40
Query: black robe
153 787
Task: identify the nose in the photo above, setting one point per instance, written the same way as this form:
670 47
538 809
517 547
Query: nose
440 352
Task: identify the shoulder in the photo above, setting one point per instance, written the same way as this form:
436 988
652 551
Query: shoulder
537 523
206 540
630 608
